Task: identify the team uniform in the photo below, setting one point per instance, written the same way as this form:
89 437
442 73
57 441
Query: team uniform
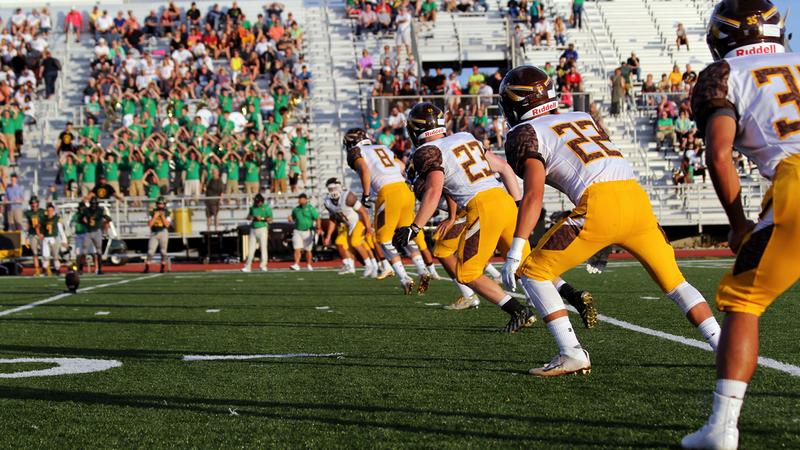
752 90
50 228
611 207
34 219
159 234
447 244
490 211
93 220
259 234
387 180
352 231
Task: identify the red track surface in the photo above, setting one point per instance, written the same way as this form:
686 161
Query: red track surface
196 267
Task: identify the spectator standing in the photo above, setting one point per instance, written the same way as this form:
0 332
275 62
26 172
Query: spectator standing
403 35
73 22
48 71
300 148
577 13
306 223
260 216
15 196
159 223
214 189
618 89
535 11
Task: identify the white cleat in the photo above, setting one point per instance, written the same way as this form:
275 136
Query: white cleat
385 274
345 270
368 272
294 267
720 432
246 269
463 303
310 268
564 365
264 269
407 285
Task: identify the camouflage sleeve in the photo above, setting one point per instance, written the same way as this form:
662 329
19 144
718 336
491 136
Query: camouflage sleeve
521 145
427 159
711 94
353 155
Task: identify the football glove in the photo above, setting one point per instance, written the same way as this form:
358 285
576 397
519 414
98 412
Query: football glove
513 259
366 200
404 235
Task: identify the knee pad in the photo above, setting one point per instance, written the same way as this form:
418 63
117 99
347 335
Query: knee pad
686 297
543 295
389 251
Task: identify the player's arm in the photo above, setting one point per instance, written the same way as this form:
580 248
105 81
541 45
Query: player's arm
153 217
500 167
720 134
428 163
364 175
716 118
531 205
329 231
352 201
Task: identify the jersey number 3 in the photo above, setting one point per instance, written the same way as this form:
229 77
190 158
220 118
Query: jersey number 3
474 153
576 144
784 127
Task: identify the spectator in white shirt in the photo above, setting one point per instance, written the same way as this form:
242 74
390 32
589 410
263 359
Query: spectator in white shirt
101 49
181 55
103 25
18 21
45 22
542 30
396 119
403 35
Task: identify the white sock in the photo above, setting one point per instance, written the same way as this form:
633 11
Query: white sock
568 344
710 330
373 264
386 265
347 263
466 291
400 270
559 283
731 388
420 263
432 270
494 273
502 302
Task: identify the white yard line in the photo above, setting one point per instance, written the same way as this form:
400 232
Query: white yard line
762 361
244 357
67 294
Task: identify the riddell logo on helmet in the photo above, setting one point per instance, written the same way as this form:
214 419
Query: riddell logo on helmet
759 49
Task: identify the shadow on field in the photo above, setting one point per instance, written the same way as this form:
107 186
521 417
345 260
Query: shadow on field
330 325
28 350
332 414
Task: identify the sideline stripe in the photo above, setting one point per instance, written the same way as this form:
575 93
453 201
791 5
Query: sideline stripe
762 361
240 357
67 294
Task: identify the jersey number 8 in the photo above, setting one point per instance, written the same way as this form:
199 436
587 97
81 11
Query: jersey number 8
474 157
386 160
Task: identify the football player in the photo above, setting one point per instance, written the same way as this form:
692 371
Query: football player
458 166
33 218
53 236
159 223
345 208
382 173
571 153
749 98
95 221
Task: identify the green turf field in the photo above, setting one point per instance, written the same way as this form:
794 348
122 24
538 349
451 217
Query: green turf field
411 374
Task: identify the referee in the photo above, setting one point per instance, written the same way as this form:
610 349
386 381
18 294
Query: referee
159 223
260 216
306 220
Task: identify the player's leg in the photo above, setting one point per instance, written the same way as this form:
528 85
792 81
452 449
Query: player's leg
263 234
356 242
444 249
251 250
343 246
489 215
33 240
152 245
765 267
163 244
387 219
582 301
564 246
384 268
297 245
97 242
45 252
407 202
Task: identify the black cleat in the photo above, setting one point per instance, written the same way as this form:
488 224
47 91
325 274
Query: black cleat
163 268
583 302
518 321
146 268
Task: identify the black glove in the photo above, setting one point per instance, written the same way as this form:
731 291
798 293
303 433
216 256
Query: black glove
366 201
403 236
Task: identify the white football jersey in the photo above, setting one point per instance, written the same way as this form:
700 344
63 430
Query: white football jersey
384 168
461 157
343 213
764 93
576 153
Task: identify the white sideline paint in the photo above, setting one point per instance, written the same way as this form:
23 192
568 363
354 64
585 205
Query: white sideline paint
213 310
67 294
64 366
322 308
241 357
762 361
102 313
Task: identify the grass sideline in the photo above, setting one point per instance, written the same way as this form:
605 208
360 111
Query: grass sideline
412 375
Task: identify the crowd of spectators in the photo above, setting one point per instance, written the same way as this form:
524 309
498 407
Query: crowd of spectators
187 101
